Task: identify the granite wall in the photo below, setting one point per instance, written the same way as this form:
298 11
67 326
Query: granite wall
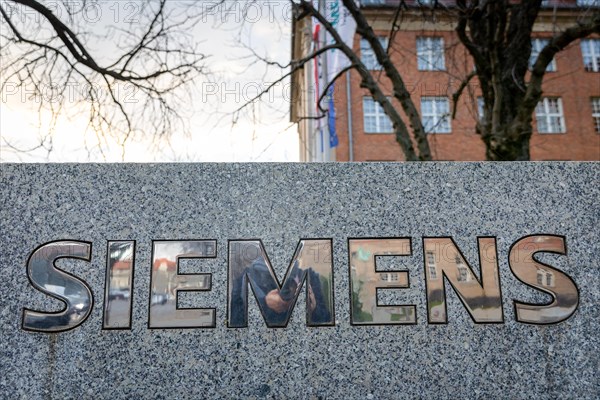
280 204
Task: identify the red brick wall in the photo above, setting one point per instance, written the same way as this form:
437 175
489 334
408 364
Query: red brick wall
570 82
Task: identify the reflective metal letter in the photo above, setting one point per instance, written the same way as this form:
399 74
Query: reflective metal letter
543 277
61 285
166 282
119 280
442 258
365 281
249 264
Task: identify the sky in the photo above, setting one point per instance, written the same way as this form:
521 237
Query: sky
261 132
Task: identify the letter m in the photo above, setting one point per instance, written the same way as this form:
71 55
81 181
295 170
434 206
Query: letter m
249 266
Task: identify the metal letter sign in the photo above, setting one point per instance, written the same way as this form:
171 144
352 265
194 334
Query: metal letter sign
311 267
166 282
74 293
249 265
119 284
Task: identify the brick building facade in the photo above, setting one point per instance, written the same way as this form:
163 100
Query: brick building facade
433 62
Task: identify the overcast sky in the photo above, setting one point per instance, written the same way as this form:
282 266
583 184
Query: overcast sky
261 133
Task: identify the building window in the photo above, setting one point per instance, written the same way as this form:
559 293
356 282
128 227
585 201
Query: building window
430 258
588 3
549 116
430 54
463 272
596 113
390 277
480 108
372 2
545 278
374 118
536 47
431 265
435 114
590 48
367 55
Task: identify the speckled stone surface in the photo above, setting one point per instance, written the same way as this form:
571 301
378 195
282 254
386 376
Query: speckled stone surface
281 203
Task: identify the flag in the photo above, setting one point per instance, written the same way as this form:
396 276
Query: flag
333 138
339 17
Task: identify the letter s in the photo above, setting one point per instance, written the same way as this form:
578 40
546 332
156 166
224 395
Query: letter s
48 279
544 278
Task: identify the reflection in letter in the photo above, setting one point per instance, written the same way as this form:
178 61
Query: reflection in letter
543 277
166 282
443 259
249 264
47 278
119 281
364 282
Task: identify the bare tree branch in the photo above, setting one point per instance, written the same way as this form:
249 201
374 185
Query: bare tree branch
400 91
402 134
458 93
139 92
557 44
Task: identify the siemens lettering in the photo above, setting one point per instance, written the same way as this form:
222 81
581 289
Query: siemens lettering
311 267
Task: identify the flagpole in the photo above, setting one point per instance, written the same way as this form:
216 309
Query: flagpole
326 154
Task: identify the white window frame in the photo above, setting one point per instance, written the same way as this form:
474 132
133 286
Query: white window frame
372 2
542 111
381 118
367 54
441 118
390 277
430 258
537 45
428 59
463 273
480 108
595 103
590 49
588 3
545 278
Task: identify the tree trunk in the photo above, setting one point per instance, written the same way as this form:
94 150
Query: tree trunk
507 146
497 34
